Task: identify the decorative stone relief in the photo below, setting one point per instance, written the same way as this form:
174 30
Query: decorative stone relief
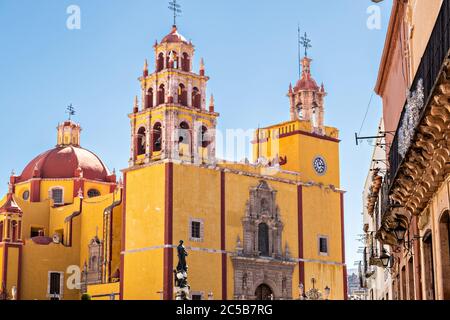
259 259
414 106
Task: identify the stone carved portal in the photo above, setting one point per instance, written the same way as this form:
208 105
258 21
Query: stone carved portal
261 270
92 273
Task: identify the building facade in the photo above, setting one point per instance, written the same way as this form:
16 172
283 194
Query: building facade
415 193
253 231
374 277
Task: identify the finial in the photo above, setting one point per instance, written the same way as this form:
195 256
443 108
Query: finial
36 171
306 43
176 8
290 87
145 68
10 188
80 194
211 103
202 67
71 111
13 173
136 105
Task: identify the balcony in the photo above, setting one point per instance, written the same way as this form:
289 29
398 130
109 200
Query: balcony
418 155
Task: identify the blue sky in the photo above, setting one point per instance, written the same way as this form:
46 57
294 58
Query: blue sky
250 53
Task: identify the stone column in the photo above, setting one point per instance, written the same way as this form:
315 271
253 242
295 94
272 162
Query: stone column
196 132
189 93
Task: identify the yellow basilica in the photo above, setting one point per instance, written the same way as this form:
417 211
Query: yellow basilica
270 229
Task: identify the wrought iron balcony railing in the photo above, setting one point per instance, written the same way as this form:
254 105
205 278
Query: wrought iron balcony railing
425 79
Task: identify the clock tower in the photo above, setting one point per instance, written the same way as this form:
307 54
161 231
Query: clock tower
304 144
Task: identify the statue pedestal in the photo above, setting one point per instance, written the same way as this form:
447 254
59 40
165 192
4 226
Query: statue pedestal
182 294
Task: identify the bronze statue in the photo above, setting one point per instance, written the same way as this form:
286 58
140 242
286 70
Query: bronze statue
181 282
182 254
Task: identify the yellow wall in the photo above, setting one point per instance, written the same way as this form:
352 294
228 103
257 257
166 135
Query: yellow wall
301 149
197 196
102 291
46 185
144 227
37 261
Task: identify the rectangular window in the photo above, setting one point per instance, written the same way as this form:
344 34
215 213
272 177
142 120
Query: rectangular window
195 229
323 245
57 196
36 232
55 285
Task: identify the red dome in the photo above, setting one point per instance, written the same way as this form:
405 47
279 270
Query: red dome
174 37
306 83
64 163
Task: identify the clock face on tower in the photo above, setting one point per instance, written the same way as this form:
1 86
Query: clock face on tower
320 166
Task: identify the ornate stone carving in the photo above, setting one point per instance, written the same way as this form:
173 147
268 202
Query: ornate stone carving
259 260
411 119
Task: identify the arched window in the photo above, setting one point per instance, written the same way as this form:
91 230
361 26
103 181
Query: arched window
184 133
172 60
14 231
93 193
205 139
184 140
196 98
300 111
186 62
444 233
149 98
57 194
157 137
182 95
263 239
264 205
429 266
141 141
160 62
161 94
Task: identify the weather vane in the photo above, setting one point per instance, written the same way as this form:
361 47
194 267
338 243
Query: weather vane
70 110
306 43
176 8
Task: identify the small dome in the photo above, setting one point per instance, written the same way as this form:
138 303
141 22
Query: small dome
306 83
174 37
65 162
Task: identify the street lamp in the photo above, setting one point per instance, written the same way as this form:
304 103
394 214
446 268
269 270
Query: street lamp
385 259
400 233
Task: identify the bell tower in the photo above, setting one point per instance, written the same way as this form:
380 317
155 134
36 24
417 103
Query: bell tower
307 99
173 120
304 144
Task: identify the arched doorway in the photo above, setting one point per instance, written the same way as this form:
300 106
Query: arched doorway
444 235
263 292
428 265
